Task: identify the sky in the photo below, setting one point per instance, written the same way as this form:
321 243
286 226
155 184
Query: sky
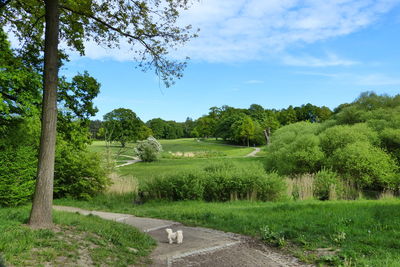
274 53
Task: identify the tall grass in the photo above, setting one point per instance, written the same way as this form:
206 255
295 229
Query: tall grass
122 184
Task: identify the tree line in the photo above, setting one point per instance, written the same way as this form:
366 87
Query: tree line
250 126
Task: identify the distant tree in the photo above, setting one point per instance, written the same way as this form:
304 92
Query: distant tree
158 127
205 126
188 125
287 116
122 125
94 128
244 129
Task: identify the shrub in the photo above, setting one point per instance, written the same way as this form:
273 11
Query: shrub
78 174
148 150
339 136
327 185
17 175
367 166
182 185
295 150
221 181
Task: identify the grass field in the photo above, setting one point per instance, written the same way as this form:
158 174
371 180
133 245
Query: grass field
178 145
75 241
143 171
341 233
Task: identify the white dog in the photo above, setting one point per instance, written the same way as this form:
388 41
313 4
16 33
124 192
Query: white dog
178 236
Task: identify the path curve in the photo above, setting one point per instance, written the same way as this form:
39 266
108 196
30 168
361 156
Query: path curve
253 153
128 162
201 246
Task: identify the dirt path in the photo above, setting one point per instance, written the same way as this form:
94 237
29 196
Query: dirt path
201 246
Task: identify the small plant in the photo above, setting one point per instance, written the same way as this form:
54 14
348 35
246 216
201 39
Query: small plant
272 237
327 185
148 150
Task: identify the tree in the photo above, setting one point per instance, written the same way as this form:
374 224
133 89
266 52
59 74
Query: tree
152 25
244 129
122 125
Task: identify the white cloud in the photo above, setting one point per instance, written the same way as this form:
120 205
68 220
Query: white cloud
243 30
331 60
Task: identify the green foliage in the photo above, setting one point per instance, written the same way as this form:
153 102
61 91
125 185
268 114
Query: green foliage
220 181
148 150
360 143
78 173
367 166
122 125
339 136
295 149
17 175
162 129
390 139
327 182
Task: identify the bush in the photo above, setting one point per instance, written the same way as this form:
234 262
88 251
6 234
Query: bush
339 136
365 165
221 181
17 175
148 150
295 150
78 174
327 184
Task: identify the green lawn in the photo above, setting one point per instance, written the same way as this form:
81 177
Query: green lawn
77 240
192 145
357 233
178 145
143 170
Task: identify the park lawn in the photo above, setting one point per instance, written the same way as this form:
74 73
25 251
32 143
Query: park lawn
353 233
76 240
193 145
177 145
143 171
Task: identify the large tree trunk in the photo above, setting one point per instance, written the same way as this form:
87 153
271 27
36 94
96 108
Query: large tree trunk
267 135
41 213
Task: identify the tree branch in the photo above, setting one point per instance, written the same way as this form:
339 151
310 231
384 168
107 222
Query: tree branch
3 4
111 27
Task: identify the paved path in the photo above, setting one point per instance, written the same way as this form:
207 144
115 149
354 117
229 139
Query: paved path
253 154
128 162
201 246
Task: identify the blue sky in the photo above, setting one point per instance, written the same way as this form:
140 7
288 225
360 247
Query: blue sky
274 53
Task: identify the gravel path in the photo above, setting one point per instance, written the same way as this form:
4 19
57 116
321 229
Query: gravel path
201 247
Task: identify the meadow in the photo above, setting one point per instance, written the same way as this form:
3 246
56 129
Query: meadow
339 233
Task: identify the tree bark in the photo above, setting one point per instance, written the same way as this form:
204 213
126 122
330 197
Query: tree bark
267 134
41 213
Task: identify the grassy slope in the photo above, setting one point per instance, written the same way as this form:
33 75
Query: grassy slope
365 232
178 145
97 241
143 170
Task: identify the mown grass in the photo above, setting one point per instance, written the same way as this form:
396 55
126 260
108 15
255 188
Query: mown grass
177 145
356 233
143 171
76 240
